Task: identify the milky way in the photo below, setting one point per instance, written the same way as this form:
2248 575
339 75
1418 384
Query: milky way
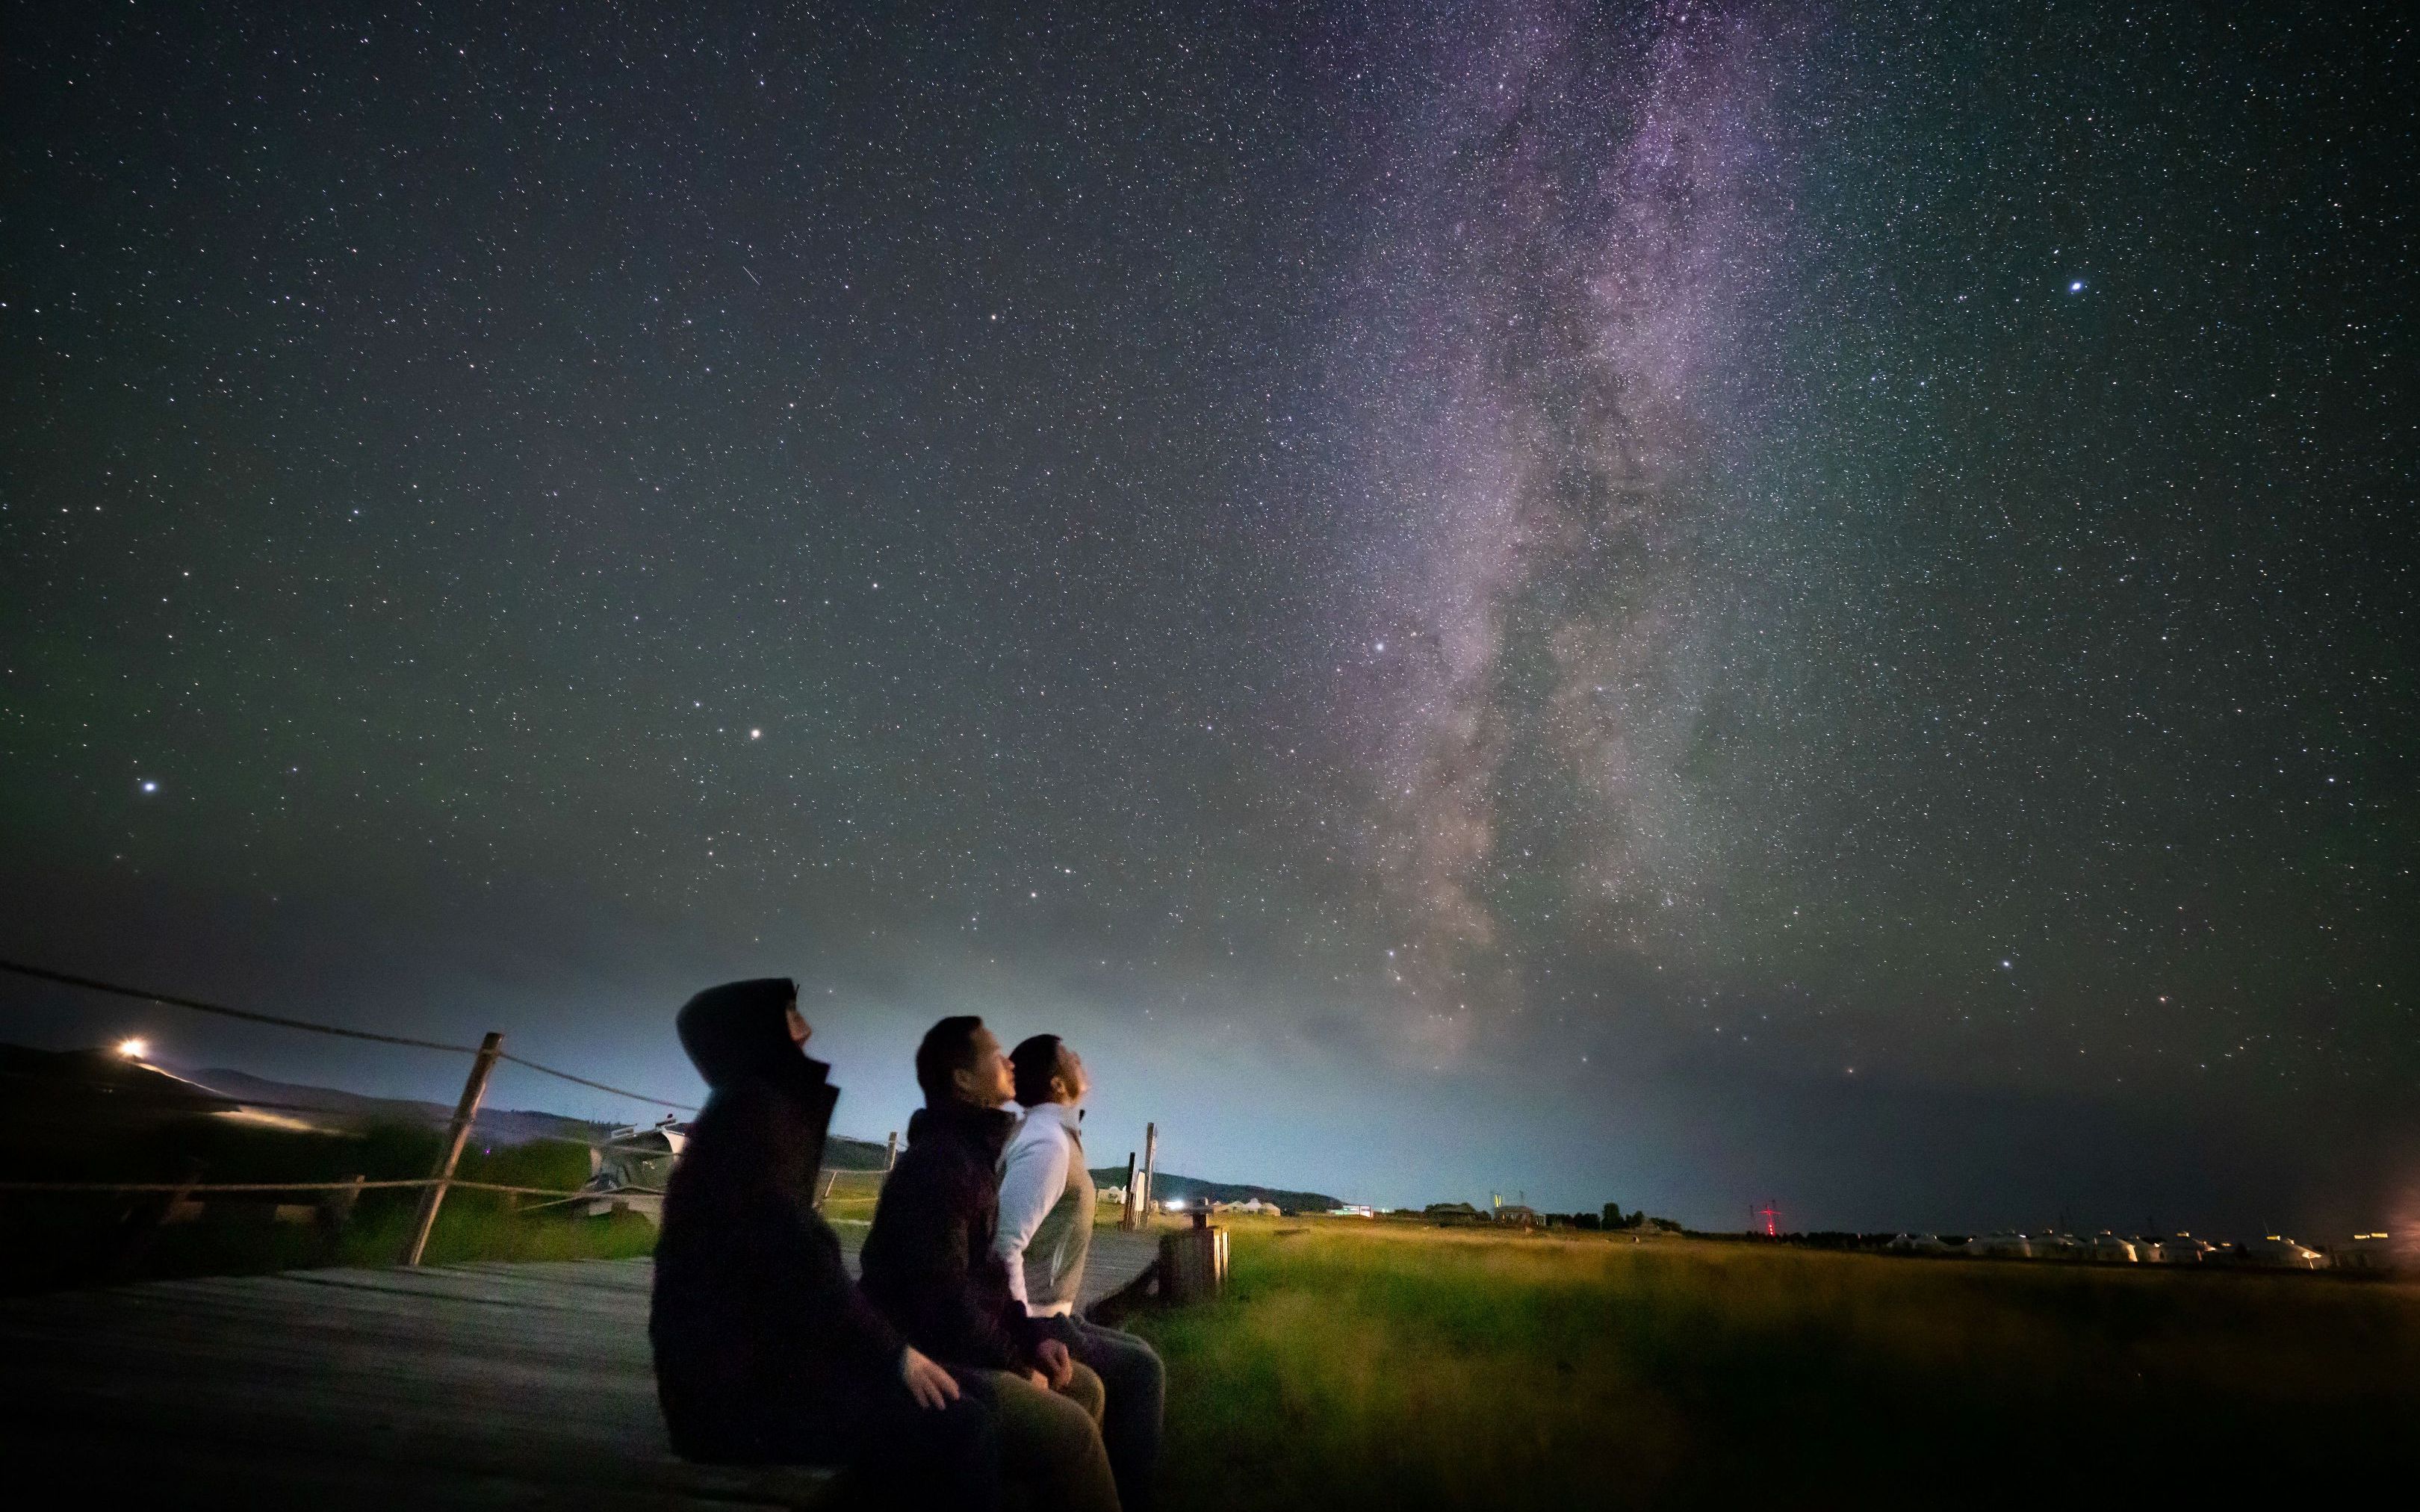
1578 225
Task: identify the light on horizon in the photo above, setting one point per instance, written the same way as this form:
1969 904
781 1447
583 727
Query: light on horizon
135 1049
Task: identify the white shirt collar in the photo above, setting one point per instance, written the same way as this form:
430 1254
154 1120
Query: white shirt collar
1043 1115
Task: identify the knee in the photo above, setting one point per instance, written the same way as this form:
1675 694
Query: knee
1084 1389
1134 1366
1147 1362
1058 1424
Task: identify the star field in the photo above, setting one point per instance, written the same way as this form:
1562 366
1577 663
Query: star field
1652 603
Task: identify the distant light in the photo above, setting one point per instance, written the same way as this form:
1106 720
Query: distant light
148 785
133 1049
755 734
2075 287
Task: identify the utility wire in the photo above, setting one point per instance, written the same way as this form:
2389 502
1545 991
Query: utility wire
90 984
45 974
642 1097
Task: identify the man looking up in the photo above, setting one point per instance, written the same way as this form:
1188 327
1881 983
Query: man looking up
1045 1230
765 1354
929 1266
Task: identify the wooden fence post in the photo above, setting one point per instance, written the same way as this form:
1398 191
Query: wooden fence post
1126 1219
457 1135
890 1155
1193 1261
1150 1166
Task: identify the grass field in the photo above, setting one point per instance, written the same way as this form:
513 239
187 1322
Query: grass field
1357 1364
1376 1365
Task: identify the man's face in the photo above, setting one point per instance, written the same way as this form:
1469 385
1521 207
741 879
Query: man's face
799 1029
1072 1081
989 1082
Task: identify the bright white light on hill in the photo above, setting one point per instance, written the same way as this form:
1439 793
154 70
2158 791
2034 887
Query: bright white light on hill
133 1049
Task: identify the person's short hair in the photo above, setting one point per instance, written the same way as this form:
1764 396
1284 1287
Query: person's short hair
1036 1060
948 1047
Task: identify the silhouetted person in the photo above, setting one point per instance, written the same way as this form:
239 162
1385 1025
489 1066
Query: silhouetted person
766 1354
1046 1232
929 1265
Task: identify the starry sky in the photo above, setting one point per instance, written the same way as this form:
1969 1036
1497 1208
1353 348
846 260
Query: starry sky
1677 604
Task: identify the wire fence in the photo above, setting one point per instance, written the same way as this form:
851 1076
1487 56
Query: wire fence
432 1188
853 1184
281 1021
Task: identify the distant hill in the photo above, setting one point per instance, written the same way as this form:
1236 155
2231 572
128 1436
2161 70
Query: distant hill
49 1093
1168 1186
503 1126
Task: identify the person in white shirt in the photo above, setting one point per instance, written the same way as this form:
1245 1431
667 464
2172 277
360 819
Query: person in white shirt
1046 1229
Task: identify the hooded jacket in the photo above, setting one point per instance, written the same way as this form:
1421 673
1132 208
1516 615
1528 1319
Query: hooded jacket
760 1339
928 1259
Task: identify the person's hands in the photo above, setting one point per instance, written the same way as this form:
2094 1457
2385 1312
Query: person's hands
932 1386
1040 1381
1055 1359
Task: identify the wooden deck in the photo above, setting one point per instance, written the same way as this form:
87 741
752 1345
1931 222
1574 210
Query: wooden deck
466 1385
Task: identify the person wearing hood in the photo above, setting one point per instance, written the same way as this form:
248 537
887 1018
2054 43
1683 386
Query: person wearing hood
764 1351
929 1264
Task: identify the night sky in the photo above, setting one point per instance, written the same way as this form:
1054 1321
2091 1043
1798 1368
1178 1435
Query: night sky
1673 604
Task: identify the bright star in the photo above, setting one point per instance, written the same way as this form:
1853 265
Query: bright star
2075 287
148 785
755 734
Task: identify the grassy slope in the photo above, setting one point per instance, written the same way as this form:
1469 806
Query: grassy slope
1358 1364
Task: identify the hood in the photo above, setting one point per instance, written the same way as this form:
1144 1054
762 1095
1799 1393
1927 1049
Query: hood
740 1030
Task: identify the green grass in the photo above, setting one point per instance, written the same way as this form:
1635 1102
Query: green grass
852 1196
1358 1364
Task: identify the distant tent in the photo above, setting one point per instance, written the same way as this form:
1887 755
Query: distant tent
2278 1253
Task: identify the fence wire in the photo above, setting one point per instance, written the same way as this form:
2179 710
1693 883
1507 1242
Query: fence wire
279 1020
